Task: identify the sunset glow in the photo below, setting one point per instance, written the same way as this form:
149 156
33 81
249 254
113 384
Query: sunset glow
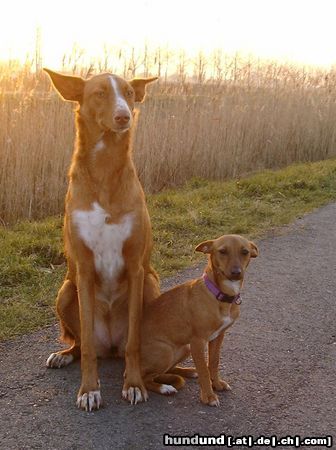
296 30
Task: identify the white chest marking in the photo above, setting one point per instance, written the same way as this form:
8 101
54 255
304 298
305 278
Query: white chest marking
120 102
99 146
105 240
234 285
227 320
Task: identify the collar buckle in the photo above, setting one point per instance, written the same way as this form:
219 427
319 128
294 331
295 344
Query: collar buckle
238 300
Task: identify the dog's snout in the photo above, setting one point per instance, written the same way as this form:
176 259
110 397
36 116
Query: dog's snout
122 118
236 271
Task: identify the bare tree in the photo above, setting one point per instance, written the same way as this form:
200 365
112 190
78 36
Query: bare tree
38 52
134 63
158 61
182 67
200 68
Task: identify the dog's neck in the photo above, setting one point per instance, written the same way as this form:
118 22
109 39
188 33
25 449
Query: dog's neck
229 287
102 163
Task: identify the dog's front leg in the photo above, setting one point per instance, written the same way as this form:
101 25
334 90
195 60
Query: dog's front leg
198 347
213 363
134 389
89 393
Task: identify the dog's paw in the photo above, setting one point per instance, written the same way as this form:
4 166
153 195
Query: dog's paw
58 360
89 401
135 394
221 385
210 399
167 389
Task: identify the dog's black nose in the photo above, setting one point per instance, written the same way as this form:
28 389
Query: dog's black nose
122 118
235 271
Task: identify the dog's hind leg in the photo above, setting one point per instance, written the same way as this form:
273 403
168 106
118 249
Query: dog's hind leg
68 313
171 379
186 372
165 384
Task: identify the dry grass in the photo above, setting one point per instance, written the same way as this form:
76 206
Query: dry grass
32 263
246 117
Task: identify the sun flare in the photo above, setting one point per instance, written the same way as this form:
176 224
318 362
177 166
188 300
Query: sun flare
301 31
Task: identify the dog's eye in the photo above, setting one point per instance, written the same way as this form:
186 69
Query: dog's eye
100 94
223 251
129 93
245 251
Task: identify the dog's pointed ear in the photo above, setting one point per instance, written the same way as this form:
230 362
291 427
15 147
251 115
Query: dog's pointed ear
204 247
254 251
139 86
69 87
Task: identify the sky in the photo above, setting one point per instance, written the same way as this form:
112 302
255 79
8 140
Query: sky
302 31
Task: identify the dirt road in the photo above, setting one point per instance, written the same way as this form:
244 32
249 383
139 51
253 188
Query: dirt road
279 359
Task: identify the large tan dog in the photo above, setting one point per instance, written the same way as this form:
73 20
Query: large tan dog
108 239
194 316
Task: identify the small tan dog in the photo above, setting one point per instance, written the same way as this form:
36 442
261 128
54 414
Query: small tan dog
191 317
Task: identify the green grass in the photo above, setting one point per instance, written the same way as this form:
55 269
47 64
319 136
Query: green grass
32 265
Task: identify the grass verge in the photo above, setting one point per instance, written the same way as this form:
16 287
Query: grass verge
32 264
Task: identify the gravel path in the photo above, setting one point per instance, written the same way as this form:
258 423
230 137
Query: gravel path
279 359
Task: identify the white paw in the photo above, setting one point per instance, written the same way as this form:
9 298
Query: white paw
57 360
214 402
134 395
89 401
221 385
167 389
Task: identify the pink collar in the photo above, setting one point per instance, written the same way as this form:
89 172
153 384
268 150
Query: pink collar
220 296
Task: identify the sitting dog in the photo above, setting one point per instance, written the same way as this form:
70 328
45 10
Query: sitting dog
108 236
191 317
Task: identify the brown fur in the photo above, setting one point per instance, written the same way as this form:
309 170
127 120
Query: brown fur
184 318
106 177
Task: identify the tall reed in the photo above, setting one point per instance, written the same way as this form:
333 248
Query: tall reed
215 117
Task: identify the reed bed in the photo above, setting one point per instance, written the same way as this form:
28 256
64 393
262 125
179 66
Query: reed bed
214 118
